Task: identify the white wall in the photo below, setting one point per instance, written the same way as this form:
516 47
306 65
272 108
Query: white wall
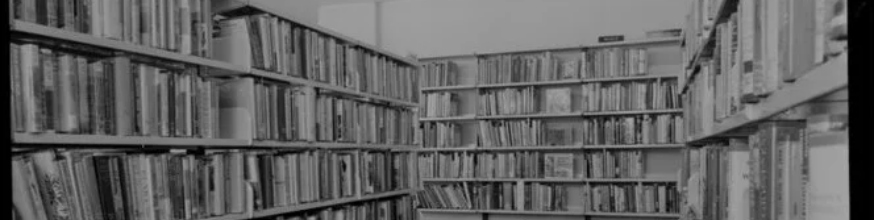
356 20
448 27
299 10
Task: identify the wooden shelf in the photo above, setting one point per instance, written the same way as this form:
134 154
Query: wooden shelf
453 118
532 148
627 180
279 12
630 42
635 146
448 88
525 84
629 78
228 217
553 180
455 149
642 215
541 115
449 179
821 80
127 47
571 213
317 205
26 138
334 145
634 112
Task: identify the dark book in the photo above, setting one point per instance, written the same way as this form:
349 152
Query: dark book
103 172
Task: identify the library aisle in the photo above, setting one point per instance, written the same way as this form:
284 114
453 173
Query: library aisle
429 109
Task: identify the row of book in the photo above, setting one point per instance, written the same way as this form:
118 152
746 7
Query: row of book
54 91
640 129
440 135
525 68
629 96
785 170
758 49
614 62
183 26
346 120
497 133
280 112
84 184
441 104
440 73
511 101
481 196
400 208
267 42
521 164
631 198
545 197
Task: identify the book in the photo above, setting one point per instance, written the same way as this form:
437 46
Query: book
443 73
614 62
558 100
499 133
442 104
508 102
825 189
542 67
441 135
641 129
631 198
630 96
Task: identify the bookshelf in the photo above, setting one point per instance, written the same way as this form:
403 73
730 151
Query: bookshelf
204 124
463 158
771 122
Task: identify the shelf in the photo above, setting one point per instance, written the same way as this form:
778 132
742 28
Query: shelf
317 205
453 118
328 87
547 115
279 12
448 88
821 80
523 84
577 213
227 217
552 180
128 47
455 149
643 215
533 148
634 112
26 138
628 180
635 146
629 78
630 42
330 145
526 212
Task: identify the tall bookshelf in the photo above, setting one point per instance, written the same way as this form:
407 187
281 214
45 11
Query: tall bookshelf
219 122
454 149
765 95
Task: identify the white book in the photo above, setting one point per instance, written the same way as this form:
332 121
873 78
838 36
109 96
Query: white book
232 43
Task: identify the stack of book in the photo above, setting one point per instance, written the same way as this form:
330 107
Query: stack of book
383 171
525 68
443 73
182 26
58 92
288 179
281 110
267 42
615 164
345 120
440 135
479 196
442 104
510 101
546 197
631 198
503 133
641 129
614 62
84 185
446 165
629 96
398 208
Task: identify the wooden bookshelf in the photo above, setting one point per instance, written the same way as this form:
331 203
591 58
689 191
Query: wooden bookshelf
532 116
630 78
565 213
822 80
639 215
705 49
526 84
134 141
636 146
554 180
526 212
126 47
229 217
629 42
532 148
634 112
330 88
237 4
453 118
324 204
448 88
